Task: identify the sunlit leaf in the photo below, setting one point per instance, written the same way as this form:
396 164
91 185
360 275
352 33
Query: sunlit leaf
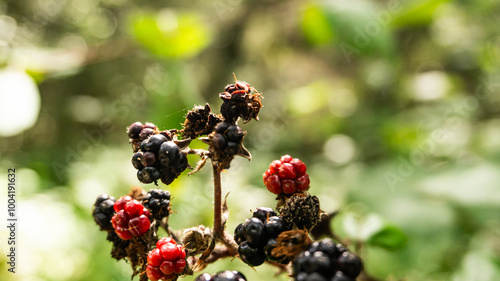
315 26
418 13
389 237
171 35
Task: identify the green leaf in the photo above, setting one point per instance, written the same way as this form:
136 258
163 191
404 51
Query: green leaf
418 14
389 237
315 26
171 35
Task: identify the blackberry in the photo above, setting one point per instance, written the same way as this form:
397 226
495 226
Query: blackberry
158 202
250 255
255 232
103 211
227 138
156 155
262 213
326 260
257 236
228 275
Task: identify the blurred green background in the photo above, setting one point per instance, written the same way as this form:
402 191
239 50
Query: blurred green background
393 105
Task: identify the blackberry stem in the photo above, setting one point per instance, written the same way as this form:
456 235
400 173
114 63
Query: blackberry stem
218 229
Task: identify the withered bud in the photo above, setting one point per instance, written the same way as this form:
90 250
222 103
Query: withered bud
199 121
289 244
301 210
197 239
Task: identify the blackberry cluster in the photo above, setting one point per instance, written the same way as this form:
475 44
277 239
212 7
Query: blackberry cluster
227 138
238 101
227 275
326 261
137 132
131 218
256 237
158 202
166 261
157 156
103 211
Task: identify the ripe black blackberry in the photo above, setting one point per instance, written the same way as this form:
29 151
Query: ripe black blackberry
158 203
326 260
156 156
227 275
227 138
256 237
103 211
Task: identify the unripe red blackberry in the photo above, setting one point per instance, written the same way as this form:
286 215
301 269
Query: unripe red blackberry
103 211
286 176
158 201
131 218
167 261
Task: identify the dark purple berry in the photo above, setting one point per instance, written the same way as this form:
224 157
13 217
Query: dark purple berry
134 130
100 199
148 175
231 148
234 133
340 276
349 264
262 213
148 159
316 277
239 233
136 160
323 262
219 142
255 232
158 202
204 277
221 127
153 143
251 256
271 244
275 225
169 153
328 247
229 276
181 164
145 133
